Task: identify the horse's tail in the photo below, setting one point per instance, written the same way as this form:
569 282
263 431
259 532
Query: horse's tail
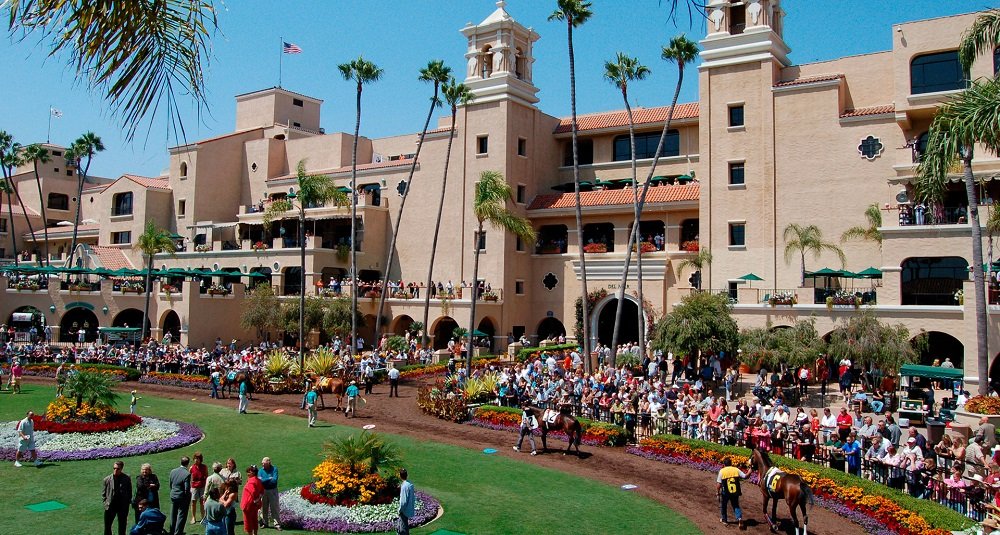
809 494
579 434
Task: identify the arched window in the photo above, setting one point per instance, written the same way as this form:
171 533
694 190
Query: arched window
486 62
519 64
940 71
122 204
933 280
58 201
184 169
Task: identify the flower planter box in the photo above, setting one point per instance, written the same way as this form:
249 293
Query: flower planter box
132 290
217 292
490 298
971 419
593 248
550 250
81 289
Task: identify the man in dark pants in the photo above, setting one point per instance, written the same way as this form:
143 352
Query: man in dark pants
728 489
393 382
117 498
180 496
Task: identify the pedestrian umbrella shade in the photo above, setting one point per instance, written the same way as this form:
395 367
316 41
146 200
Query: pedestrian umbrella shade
870 273
750 277
477 332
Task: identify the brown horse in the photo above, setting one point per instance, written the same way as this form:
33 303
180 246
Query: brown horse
334 385
775 484
563 422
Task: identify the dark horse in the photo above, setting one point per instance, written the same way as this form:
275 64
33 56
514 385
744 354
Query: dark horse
781 485
563 422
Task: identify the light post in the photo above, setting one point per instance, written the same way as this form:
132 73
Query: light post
302 279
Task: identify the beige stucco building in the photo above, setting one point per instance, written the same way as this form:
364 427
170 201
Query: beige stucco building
767 144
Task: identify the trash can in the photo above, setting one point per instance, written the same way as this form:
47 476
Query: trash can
935 430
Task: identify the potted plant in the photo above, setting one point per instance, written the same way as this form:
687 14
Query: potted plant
259 246
690 246
489 296
343 252
595 248
783 298
205 247
218 289
960 296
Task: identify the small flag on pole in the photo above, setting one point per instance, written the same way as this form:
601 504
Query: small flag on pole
55 113
290 48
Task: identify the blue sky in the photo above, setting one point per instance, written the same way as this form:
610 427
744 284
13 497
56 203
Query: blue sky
401 37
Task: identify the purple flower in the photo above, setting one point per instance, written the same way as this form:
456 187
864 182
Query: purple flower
427 510
186 435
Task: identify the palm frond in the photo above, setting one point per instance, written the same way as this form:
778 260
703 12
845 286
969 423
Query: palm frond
575 12
983 36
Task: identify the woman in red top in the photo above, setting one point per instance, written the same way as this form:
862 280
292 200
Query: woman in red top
199 473
844 423
253 492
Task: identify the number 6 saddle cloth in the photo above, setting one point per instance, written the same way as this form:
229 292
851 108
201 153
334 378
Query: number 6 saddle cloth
772 480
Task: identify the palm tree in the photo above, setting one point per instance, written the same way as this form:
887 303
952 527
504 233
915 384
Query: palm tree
698 262
455 94
362 72
314 190
437 73
139 54
808 239
982 36
868 233
575 13
85 146
489 204
97 389
620 72
150 243
10 159
36 154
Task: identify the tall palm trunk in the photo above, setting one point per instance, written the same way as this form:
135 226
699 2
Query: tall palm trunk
27 221
80 178
402 204
982 348
354 232
635 229
475 297
437 229
149 291
585 343
41 204
10 212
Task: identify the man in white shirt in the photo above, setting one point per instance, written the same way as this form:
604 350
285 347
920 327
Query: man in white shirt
393 381
827 426
911 448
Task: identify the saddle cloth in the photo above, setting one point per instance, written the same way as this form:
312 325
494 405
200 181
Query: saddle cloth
772 480
550 416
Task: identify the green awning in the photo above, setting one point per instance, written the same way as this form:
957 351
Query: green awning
257 275
870 273
827 272
176 236
932 372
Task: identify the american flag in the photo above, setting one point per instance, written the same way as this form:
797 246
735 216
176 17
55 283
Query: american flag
55 113
291 48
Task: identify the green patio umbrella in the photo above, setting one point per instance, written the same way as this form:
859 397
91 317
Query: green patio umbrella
257 275
750 277
870 273
603 183
102 271
477 332
75 270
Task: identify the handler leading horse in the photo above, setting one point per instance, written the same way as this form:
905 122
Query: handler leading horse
775 484
551 420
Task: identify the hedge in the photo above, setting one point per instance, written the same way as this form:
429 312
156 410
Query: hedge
48 369
527 352
938 516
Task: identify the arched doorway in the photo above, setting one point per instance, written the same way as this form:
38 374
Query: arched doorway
443 329
550 328
401 324
130 317
171 324
75 319
604 321
488 328
941 346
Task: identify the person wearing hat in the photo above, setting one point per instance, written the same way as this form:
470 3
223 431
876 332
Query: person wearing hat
528 424
352 399
911 449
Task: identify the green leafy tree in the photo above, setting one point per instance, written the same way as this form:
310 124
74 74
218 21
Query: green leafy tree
150 243
808 239
867 341
489 205
455 94
85 146
364 453
869 232
396 344
620 72
771 347
10 159
437 73
312 316
261 310
37 154
97 389
337 318
969 119
699 262
575 13
138 54
702 321
361 72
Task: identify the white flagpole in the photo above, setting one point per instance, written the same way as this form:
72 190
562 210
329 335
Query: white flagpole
48 132
281 53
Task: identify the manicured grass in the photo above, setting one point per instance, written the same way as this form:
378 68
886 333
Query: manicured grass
480 493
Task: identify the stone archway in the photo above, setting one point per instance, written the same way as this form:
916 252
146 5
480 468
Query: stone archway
443 329
129 317
486 326
602 322
171 323
550 328
941 346
401 324
75 319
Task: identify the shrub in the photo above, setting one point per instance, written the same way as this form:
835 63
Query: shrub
983 405
48 369
441 400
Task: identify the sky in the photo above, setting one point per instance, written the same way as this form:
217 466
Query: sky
401 37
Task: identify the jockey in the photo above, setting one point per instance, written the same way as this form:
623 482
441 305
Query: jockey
728 490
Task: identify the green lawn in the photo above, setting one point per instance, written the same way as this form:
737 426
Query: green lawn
480 493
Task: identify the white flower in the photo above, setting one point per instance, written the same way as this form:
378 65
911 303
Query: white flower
150 430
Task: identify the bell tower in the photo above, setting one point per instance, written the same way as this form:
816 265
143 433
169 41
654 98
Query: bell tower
499 59
743 31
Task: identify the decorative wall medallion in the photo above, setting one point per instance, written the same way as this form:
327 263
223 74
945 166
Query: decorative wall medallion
550 281
870 148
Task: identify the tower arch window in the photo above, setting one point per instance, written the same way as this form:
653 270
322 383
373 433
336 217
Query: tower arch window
519 64
486 62
940 71
184 169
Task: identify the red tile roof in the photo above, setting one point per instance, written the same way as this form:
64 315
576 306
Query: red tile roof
347 169
147 182
614 197
618 118
870 110
111 257
809 80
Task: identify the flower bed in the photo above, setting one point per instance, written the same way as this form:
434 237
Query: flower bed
299 513
153 435
509 419
529 353
49 370
420 371
876 507
200 382
117 422
983 405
